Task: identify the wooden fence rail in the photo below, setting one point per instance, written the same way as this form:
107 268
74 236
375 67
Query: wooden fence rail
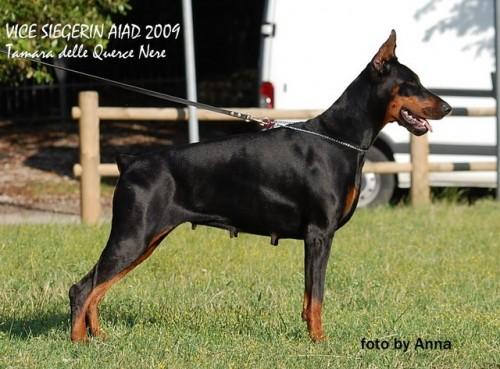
387 167
90 170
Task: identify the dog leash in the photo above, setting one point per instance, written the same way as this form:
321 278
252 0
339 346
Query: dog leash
144 91
266 123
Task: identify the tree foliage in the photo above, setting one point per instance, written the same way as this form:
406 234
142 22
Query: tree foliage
42 12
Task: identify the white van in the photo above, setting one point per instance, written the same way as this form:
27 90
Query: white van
311 50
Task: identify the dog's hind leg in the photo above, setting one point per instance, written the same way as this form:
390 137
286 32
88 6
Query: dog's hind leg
131 241
118 258
317 251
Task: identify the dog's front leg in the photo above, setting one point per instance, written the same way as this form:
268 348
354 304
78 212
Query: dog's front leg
317 247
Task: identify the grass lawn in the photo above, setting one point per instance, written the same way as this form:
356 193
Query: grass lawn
206 301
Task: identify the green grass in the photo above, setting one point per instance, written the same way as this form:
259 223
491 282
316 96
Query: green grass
205 301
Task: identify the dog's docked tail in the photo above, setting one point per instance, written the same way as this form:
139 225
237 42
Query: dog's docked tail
123 161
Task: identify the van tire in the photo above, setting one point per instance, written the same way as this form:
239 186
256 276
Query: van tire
376 189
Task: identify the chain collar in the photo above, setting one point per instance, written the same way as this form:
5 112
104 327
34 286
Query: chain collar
270 124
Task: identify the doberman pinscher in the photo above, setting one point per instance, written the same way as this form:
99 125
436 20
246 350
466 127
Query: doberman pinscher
281 182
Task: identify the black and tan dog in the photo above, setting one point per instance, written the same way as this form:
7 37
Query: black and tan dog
280 182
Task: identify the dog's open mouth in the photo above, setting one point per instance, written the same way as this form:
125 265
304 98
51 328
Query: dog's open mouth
415 124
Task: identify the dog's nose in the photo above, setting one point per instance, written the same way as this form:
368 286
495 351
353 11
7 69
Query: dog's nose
445 108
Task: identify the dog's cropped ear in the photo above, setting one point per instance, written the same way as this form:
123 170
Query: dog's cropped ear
385 53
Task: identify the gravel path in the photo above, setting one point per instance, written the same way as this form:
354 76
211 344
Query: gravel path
36 161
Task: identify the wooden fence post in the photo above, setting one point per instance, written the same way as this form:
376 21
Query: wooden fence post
90 181
420 191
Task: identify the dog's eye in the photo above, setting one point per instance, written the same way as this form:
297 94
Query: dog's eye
409 88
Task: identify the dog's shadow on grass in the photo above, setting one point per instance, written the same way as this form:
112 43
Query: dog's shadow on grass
34 326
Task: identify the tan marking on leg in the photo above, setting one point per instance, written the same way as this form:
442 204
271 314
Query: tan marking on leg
93 315
93 318
314 321
79 328
89 310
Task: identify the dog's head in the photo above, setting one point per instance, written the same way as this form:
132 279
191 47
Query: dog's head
410 104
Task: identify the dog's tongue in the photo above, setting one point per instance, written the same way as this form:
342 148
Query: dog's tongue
426 123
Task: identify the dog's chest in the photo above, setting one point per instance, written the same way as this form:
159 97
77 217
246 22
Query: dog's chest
352 195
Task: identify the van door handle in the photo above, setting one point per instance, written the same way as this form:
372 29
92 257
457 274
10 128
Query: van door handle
268 29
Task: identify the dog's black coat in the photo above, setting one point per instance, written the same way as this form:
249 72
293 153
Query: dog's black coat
280 183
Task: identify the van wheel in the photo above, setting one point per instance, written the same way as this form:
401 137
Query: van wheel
376 189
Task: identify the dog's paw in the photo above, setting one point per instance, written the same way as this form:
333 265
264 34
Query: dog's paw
317 337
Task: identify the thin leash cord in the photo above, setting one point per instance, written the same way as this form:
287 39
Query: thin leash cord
266 123
147 92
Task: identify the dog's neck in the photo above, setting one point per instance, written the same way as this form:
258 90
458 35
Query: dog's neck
357 116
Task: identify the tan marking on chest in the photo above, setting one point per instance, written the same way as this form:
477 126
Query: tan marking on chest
349 200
